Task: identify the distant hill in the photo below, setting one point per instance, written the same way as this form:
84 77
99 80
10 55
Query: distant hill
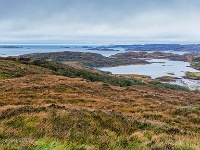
87 59
160 47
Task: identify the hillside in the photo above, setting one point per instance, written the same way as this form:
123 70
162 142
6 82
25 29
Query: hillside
87 59
155 55
160 47
13 69
46 110
196 62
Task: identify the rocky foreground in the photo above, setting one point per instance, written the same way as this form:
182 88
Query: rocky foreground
191 84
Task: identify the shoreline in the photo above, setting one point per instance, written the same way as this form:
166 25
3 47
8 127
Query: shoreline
189 83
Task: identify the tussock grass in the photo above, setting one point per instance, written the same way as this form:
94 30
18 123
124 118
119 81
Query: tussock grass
57 127
14 69
44 111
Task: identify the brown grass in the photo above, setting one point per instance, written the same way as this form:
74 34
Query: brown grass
165 118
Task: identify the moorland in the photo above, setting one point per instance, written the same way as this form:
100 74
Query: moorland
48 104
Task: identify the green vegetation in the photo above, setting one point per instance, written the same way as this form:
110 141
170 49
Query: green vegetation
14 65
60 69
64 70
88 59
156 55
61 128
193 75
168 86
50 105
14 69
52 67
196 59
196 62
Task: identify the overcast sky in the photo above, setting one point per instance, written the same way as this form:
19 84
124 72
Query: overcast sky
100 21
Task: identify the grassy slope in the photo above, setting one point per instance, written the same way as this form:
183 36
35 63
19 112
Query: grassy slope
94 115
13 69
95 75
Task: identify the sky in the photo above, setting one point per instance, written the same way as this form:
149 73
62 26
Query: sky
100 21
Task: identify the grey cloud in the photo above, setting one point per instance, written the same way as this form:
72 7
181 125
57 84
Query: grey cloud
131 20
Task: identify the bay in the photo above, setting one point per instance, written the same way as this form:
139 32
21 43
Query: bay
157 68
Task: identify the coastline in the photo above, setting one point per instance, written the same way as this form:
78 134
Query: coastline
189 83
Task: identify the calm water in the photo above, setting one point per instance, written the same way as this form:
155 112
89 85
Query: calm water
28 48
159 67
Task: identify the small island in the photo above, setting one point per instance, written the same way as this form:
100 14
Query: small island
87 59
10 46
102 49
170 73
64 47
166 79
192 75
